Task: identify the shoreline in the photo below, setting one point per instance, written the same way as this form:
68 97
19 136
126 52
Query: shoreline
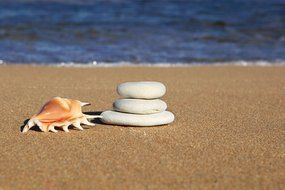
162 64
228 132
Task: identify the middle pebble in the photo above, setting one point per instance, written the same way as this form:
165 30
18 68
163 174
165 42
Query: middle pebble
139 106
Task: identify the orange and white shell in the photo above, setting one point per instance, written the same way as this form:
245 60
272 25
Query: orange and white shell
60 112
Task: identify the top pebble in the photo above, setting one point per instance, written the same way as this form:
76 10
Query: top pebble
141 90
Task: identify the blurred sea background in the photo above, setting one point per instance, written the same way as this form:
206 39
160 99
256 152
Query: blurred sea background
141 31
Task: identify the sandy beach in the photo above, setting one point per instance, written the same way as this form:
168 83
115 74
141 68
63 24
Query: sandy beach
228 134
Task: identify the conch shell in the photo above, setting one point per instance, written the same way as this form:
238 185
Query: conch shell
60 112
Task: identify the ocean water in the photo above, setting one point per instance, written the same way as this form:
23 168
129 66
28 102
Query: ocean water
141 31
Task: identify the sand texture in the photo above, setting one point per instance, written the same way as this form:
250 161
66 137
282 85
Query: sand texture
229 131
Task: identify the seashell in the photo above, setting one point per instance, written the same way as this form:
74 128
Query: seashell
60 112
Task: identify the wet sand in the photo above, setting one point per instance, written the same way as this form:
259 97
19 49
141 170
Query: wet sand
229 131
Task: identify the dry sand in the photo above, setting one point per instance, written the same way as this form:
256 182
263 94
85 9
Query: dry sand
229 131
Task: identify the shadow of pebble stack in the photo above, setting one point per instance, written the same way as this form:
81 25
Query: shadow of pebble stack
140 106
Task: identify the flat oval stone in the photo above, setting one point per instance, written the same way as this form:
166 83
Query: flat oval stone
139 106
144 90
118 118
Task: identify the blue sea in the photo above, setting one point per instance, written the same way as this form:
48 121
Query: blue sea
141 31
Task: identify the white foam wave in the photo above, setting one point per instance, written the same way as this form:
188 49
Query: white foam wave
161 64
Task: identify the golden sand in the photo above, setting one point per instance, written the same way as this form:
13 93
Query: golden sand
229 131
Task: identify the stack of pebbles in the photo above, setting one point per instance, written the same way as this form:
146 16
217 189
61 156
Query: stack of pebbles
140 106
